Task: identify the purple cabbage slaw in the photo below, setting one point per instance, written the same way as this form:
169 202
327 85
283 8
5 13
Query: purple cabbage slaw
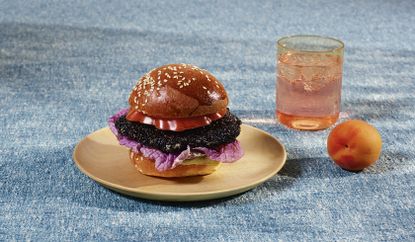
226 153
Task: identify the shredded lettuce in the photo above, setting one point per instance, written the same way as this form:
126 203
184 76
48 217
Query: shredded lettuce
226 153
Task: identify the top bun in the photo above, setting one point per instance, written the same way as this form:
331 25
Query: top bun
178 91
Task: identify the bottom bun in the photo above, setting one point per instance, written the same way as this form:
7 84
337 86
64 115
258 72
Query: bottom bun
147 167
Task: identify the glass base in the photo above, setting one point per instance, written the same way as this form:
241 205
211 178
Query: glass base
307 123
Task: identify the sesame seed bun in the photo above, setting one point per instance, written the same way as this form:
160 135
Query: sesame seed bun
146 167
178 91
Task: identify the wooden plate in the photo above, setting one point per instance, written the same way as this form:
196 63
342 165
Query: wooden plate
101 158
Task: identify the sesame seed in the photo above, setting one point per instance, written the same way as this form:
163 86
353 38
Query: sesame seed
165 80
193 78
183 78
136 107
204 87
217 85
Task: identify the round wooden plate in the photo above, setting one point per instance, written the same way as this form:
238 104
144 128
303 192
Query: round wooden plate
101 158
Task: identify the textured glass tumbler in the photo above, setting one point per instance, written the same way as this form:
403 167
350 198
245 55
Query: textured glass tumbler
309 80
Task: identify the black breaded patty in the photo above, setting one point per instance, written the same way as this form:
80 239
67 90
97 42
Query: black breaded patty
221 131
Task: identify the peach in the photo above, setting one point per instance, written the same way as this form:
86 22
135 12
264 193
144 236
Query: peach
354 145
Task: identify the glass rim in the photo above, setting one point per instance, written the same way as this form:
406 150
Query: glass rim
314 36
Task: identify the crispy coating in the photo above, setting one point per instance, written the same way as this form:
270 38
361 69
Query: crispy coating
221 131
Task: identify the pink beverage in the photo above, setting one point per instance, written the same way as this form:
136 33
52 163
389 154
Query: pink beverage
309 88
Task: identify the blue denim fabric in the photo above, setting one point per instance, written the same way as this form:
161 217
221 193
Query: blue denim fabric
66 66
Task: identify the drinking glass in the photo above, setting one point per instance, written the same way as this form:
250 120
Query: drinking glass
309 80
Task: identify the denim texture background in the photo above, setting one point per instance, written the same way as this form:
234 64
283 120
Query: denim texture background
66 66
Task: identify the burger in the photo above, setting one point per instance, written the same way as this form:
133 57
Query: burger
178 123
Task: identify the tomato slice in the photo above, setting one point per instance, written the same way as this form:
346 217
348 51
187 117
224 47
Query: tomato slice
178 124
